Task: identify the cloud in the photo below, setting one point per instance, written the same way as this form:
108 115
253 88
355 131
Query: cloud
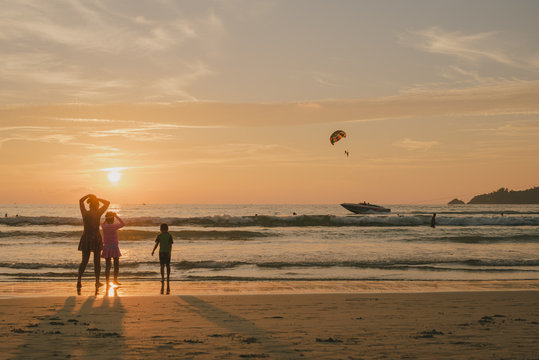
515 128
501 99
467 47
326 79
44 69
96 50
244 148
309 105
144 125
64 136
23 128
46 138
175 86
415 145
98 27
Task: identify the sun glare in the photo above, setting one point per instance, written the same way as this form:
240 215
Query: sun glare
114 176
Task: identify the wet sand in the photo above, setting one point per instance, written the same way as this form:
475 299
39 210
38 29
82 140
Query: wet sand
428 325
144 288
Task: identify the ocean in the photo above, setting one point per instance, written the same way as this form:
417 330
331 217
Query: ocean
245 243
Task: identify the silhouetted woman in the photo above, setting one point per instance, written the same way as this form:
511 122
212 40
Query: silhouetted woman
91 240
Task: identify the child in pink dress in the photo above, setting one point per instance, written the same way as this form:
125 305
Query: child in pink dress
110 244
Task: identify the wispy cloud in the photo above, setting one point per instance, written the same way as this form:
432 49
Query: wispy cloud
467 47
44 69
138 126
326 79
64 136
98 28
46 138
518 97
176 85
516 128
141 134
81 48
245 148
415 145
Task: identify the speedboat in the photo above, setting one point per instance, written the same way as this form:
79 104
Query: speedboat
362 208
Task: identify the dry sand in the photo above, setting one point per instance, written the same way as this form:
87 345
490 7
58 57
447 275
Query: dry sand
453 325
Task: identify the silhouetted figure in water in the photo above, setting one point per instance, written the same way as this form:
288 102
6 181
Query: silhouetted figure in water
110 245
433 221
91 240
164 241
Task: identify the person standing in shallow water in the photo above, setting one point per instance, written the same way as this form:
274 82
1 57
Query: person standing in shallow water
110 245
164 241
91 240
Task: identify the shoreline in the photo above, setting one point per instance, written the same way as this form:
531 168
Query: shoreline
22 289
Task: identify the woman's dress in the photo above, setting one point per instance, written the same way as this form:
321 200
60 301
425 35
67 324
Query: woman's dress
91 237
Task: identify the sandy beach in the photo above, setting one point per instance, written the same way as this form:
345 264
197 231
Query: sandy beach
428 325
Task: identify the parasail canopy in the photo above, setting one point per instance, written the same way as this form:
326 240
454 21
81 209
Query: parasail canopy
336 136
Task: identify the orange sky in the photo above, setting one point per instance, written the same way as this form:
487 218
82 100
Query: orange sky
197 104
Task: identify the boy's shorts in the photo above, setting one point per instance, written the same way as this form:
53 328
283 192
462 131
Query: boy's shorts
164 258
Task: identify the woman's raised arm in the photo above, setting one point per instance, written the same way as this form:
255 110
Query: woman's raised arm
81 203
105 206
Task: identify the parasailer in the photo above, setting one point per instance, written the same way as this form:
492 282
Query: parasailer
336 136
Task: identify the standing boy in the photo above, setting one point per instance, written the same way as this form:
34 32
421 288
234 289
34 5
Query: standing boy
164 241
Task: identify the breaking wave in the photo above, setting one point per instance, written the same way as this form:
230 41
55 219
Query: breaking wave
295 221
135 235
398 264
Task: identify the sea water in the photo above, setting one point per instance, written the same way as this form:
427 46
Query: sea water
283 243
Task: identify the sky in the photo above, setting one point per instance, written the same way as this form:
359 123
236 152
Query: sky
234 101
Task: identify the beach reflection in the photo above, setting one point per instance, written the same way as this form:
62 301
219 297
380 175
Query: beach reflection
163 288
111 290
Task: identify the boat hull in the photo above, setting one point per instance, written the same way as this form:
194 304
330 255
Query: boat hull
364 208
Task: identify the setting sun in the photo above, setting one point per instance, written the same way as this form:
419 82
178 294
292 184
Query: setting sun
114 176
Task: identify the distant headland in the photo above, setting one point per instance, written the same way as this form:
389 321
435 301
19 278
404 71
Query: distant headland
504 196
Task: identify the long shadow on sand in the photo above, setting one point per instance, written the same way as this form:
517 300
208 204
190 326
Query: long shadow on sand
239 325
83 333
50 327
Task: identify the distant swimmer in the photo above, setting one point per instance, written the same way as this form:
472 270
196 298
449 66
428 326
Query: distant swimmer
433 221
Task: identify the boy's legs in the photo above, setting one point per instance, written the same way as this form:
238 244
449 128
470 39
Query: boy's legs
168 273
162 272
82 266
164 259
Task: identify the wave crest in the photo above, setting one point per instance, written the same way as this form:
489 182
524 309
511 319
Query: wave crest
293 221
